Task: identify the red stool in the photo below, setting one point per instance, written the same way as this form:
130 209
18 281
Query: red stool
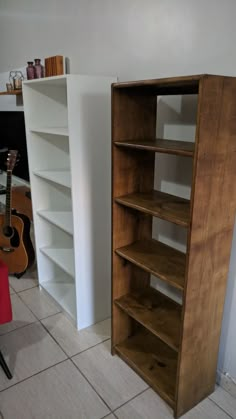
5 309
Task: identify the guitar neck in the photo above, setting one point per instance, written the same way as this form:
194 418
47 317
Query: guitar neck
8 199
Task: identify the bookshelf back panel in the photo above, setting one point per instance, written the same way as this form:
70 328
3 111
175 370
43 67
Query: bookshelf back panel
49 235
49 152
48 105
52 273
50 195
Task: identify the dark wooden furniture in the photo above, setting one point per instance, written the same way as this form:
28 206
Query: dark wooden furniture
173 347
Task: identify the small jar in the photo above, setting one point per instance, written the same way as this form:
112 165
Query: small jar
30 70
38 69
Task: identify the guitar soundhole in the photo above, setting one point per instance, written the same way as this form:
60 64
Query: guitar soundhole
8 231
15 240
12 234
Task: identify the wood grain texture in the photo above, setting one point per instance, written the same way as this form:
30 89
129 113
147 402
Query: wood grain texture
131 118
158 259
165 86
156 312
12 92
180 148
160 204
209 243
153 360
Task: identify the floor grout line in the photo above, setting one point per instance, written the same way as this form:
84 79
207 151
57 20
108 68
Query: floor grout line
132 398
118 407
51 315
26 289
47 331
221 408
33 375
32 310
19 328
108 414
77 353
27 324
110 410
27 305
90 347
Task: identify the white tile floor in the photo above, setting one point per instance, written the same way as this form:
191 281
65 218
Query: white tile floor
59 373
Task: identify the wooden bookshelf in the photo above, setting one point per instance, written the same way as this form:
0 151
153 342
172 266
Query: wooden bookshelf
173 347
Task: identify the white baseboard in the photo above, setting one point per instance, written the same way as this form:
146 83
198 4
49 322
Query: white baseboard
226 382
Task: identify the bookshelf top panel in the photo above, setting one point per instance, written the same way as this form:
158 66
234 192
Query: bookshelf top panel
164 86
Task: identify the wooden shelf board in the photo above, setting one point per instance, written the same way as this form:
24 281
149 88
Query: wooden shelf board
160 204
62 219
157 258
62 177
164 86
64 258
154 361
180 148
12 92
156 312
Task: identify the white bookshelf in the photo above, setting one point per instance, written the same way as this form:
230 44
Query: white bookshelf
68 142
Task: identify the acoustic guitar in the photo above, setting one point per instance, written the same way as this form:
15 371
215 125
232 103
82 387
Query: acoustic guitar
16 249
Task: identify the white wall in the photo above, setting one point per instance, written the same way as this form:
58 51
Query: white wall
133 39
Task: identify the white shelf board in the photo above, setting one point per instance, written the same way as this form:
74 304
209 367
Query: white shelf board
63 294
62 177
51 130
62 219
64 258
59 81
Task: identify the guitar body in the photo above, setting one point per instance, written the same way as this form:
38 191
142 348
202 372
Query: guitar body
16 249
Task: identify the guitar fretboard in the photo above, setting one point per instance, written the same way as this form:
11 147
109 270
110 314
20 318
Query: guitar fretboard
8 199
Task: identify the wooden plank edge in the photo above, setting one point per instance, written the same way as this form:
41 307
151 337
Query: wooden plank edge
173 151
146 269
154 213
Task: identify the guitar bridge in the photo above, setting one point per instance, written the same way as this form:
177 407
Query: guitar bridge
6 249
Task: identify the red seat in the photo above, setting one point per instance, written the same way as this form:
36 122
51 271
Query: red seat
5 308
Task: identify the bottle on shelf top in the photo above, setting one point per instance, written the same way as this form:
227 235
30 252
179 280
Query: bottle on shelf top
38 69
30 70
